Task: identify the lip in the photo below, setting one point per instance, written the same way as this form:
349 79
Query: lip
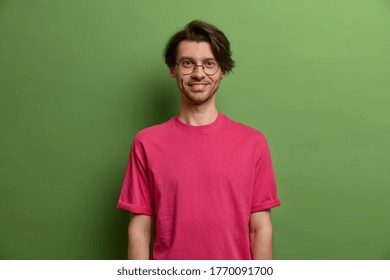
198 84
198 87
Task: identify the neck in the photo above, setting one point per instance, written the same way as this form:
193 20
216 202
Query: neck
198 115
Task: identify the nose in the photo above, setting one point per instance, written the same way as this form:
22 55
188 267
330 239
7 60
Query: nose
198 71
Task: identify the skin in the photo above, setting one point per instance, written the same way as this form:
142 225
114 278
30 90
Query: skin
197 90
260 233
139 232
198 107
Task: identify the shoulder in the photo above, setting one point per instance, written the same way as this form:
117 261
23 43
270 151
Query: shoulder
247 136
153 132
244 129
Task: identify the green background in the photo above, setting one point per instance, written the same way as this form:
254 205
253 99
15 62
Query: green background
79 78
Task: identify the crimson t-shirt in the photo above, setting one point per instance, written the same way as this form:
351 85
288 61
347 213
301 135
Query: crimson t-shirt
202 183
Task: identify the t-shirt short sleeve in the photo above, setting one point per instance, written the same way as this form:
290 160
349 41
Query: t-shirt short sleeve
264 194
135 195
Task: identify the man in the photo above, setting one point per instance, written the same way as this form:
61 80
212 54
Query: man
201 181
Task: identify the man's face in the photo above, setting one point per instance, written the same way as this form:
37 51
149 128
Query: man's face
196 88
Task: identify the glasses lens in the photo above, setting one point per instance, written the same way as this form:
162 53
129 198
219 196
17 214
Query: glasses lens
187 67
211 71
210 67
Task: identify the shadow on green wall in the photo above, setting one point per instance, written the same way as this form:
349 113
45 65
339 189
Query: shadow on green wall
158 102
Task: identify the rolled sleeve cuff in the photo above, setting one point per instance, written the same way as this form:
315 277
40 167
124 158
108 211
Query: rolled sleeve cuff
265 206
135 208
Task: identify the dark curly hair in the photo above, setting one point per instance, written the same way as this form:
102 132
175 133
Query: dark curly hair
200 31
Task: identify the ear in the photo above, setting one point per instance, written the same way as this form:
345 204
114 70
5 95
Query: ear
172 72
223 74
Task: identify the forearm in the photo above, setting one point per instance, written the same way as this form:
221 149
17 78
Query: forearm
138 247
139 232
260 233
261 244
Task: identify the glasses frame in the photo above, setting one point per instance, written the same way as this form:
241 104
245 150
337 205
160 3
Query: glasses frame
198 65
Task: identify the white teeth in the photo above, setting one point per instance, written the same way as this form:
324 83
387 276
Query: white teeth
198 87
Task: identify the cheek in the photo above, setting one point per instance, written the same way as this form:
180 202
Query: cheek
181 83
216 83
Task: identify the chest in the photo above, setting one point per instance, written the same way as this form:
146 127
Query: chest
194 171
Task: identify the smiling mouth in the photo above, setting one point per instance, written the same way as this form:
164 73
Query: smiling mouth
198 86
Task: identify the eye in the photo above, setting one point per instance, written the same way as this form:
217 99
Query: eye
210 63
187 63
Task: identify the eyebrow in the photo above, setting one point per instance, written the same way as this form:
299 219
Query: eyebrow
190 58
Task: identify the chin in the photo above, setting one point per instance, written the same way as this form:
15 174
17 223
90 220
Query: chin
198 100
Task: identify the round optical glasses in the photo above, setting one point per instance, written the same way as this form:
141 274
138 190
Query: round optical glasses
187 67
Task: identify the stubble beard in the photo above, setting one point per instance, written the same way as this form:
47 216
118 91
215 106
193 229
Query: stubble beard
199 98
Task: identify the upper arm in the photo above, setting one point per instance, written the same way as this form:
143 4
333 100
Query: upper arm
140 223
264 194
260 221
135 195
